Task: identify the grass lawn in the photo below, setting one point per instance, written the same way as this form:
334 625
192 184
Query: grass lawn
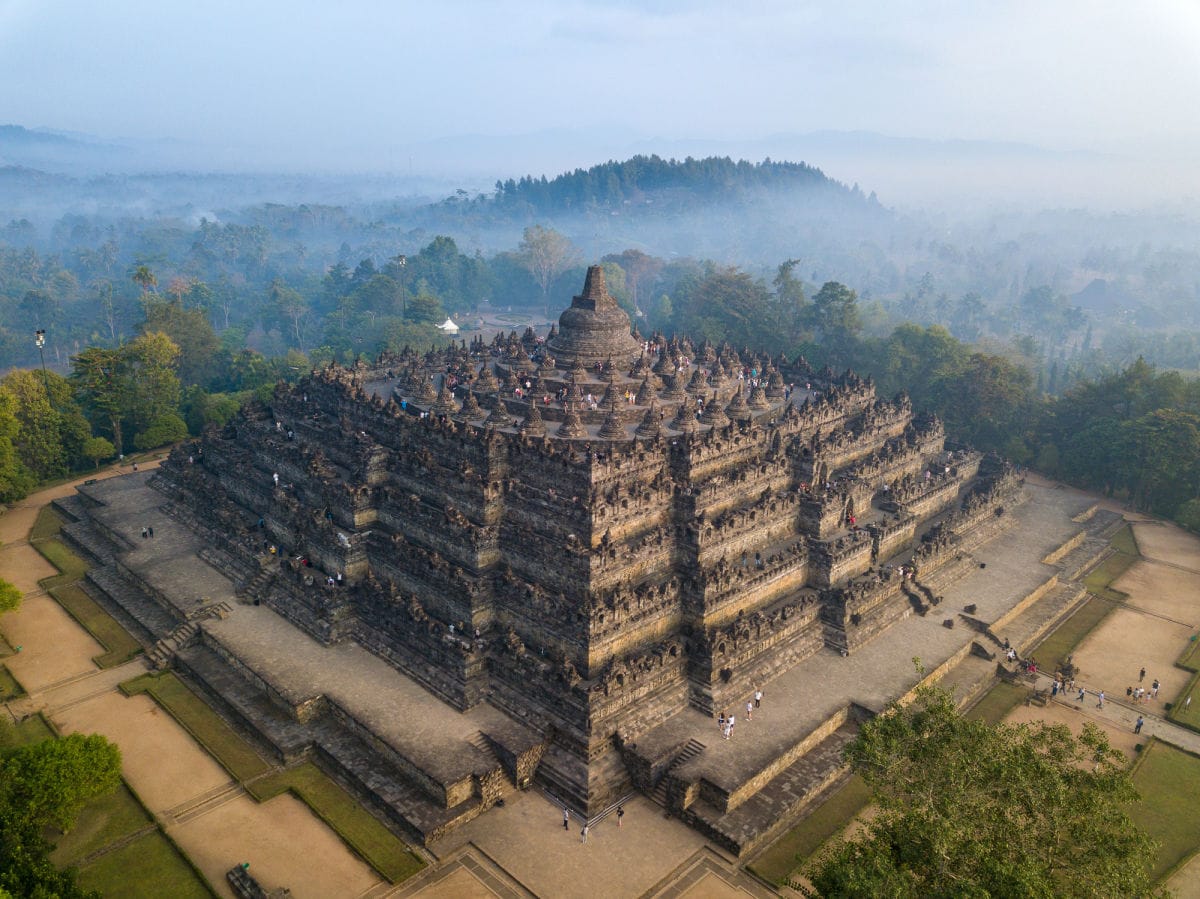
1188 716
97 622
1061 642
1169 781
377 845
71 568
9 688
148 868
101 823
207 727
47 524
33 729
998 702
796 846
1125 553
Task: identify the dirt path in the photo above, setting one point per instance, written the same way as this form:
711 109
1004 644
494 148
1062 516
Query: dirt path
197 802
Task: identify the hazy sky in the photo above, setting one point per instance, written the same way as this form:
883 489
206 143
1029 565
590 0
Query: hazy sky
313 81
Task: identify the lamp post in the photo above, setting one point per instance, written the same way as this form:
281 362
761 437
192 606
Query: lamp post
39 338
402 261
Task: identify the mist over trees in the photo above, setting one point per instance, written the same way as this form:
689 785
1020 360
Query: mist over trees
1019 330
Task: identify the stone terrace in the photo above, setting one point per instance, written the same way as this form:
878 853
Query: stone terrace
831 691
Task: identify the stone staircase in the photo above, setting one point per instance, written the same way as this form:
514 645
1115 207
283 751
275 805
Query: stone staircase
114 591
254 588
915 599
779 802
161 654
690 750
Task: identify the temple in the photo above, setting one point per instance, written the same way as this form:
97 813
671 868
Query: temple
586 546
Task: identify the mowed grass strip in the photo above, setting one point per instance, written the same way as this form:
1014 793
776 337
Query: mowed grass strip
358 828
71 568
221 741
150 867
790 852
101 823
998 702
9 688
1168 780
120 646
47 524
1125 553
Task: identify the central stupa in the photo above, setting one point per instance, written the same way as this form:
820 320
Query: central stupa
594 329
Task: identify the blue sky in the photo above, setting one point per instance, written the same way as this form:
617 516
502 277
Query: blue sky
310 82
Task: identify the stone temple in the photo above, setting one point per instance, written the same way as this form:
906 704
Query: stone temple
548 562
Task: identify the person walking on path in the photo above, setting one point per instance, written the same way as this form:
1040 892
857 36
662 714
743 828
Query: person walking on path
566 819
1153 687
1137 728
1100 704
758 694
583 834
749 710
1082 692
620 814
1141 675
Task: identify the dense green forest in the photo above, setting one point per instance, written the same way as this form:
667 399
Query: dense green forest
1133 434
158 325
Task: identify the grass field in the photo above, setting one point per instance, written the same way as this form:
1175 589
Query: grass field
801 842
9 688
150 867
377 845
71 568
47 524
1168 780
101 823
120 646
221 741
998 702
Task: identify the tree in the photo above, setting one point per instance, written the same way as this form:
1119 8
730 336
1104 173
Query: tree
968 808
144 278
97 449
100 380
167 428
10 596
547 254
834 316
191 331
153 388
45 785
53 429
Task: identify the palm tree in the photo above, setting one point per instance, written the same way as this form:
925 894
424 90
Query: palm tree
143 277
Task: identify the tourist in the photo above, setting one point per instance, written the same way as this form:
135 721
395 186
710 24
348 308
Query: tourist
749 710
1137 728
566 819
1141 675
758 695
583 834
149 532
721 722
1100 704
620 814
1153 687
1082 692
144 534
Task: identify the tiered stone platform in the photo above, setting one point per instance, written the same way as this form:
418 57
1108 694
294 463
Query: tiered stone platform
450 574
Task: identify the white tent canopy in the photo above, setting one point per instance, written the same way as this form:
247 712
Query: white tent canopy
448 326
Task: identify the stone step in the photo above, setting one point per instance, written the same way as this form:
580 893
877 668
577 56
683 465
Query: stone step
136 603
779 803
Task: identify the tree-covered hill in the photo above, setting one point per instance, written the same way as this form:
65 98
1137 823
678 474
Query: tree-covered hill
644 180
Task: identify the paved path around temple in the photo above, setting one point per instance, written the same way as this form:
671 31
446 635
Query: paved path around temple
203 810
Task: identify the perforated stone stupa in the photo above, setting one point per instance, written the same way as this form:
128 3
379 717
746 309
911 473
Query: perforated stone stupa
583 545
